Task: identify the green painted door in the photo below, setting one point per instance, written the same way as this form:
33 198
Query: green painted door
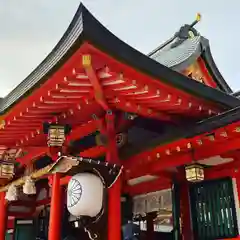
213 209
8 236
24 232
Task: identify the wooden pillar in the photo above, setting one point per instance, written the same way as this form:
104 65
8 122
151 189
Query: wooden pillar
185 212
186 223
54 230
3 216
114 193
150 226
114 211
236 192
176 210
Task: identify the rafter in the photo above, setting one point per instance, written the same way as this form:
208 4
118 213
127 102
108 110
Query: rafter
98 92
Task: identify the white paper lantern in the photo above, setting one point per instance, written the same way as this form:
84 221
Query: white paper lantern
12 193
85 195
29 187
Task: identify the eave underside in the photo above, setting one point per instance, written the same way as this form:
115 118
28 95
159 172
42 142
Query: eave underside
70 92
64 90
85 27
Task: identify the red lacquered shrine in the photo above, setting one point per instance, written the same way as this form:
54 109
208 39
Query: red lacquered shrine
103 142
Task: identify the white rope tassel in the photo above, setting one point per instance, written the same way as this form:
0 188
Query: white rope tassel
12 194
29 187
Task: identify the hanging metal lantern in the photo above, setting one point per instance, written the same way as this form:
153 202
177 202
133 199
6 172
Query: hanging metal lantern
6 169
56 134
194 173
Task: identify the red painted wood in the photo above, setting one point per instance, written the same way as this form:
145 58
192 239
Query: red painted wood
98 92
54 230
185 209
208 79
143 79
114 193
38 107
3 216
114 211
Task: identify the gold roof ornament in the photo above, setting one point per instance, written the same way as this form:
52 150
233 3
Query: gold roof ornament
198 17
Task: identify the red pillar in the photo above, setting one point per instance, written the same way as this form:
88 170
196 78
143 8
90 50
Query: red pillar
114 194
186 221
3 215
54 230
114 211
185 211
237 177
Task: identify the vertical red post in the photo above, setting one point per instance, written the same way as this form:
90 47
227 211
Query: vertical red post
3 216
114 211
186 223
54 230
114 194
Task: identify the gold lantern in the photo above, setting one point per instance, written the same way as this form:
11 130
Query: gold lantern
194 173
56 133
56 136
6 170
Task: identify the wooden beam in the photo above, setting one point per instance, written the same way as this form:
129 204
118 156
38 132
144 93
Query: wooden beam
33 154
156 165
98 92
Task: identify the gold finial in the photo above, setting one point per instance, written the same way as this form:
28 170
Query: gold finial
198 17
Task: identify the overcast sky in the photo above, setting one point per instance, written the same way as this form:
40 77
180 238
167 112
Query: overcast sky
29 29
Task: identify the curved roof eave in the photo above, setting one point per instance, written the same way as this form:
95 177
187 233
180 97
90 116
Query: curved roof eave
214 71
85 27
189 131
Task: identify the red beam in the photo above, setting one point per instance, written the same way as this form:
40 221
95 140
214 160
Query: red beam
43 202
33 154
157 165
94 152
98 92
142 78
83 130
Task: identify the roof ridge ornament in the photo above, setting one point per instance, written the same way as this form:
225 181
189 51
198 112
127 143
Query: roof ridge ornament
198 17
187 31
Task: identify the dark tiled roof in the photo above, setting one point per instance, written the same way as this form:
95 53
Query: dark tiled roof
181 56
85 27
179 53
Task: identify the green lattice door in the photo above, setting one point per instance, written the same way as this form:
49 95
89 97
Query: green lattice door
24 230
213 210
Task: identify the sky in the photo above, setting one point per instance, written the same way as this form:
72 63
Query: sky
30 29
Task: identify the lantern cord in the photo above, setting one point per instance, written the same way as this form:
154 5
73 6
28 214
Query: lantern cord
119 173
90 235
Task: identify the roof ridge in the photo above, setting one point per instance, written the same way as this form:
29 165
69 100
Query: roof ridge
178 34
